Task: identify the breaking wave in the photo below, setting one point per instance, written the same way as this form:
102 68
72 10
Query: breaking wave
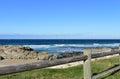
59 48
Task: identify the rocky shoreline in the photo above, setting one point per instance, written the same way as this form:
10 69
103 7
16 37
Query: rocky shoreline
14 55
95 50
22 52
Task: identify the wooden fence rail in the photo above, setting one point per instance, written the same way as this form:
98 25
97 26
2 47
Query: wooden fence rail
86 58
37 65
107 71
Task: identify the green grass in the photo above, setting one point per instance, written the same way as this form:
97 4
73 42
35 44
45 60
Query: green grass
68 73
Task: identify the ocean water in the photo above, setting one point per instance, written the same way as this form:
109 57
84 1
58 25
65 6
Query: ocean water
61 45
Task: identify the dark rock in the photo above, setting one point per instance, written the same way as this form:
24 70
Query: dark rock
1 58
26 48
69 54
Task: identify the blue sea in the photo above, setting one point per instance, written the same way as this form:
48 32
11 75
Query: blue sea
61 45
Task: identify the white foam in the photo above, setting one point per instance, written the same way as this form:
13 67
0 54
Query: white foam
68 47
38 46
74 45
59 45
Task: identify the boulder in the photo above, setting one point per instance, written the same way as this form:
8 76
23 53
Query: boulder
46 56
22 52
53 57
42 55
70 54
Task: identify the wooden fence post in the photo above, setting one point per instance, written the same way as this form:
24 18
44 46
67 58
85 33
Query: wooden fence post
119 54
87 64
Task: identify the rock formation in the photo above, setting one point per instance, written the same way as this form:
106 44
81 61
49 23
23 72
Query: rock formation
22 52
70 54
101 50
95 50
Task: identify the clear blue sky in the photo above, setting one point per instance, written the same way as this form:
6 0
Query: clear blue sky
87 18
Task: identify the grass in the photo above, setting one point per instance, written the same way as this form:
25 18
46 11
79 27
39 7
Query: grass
68 73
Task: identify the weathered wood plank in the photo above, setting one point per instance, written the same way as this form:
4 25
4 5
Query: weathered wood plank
37 65
108 71
104 54
87 64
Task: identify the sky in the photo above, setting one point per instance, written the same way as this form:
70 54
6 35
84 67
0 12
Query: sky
80 19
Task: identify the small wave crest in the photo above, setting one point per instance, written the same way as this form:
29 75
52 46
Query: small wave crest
74 45
38 46
56 48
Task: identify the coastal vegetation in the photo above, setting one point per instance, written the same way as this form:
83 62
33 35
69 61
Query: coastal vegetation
67 73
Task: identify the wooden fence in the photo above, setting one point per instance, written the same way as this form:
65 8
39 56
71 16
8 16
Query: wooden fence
86 58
